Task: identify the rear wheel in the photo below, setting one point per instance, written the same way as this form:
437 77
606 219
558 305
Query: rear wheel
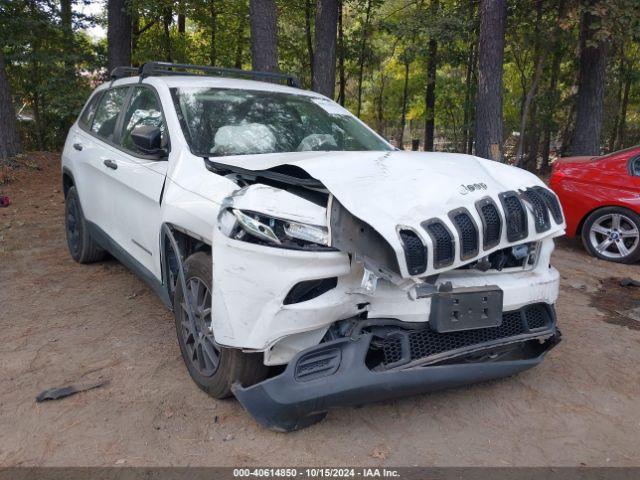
82 247
214 368
613 234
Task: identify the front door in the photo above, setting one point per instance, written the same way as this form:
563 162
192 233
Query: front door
139 181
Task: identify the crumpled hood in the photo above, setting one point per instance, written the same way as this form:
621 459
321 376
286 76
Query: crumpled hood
388 190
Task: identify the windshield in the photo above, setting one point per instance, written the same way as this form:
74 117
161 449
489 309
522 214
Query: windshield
219 122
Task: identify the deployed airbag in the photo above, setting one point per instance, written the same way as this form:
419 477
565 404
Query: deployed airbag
250 138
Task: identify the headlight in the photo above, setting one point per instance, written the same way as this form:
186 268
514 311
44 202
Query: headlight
259 228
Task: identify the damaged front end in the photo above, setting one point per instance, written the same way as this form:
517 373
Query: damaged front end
372 287
382 360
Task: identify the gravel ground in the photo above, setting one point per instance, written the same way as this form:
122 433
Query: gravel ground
66 323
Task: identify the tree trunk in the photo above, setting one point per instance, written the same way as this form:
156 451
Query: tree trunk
472 105
493 15
308 35
527 105
590 103
324 68
9 139
363 47
167 19
430 91
552 94
214 27
65 18
468 85
622 118
405 96
380 106
242 22
34 93
566 131
182 23
616 119
135 30
264 35
548 118
67 32
342 79
118 34
525 139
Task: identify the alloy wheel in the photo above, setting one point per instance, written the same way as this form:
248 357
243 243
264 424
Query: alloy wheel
614 236
197 331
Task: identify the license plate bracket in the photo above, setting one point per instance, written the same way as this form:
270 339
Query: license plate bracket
466 309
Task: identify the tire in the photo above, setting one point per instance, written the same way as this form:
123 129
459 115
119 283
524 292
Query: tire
197 342
613 234
82 247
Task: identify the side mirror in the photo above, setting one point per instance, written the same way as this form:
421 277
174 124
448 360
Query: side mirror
148 139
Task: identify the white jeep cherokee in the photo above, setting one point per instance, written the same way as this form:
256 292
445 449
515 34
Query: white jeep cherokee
308 262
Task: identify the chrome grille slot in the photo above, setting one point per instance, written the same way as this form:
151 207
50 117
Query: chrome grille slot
539 209
443 242
491 222
552 203
467 231
415 253
515 216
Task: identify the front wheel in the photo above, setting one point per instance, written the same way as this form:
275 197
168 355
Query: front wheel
613 234
214 368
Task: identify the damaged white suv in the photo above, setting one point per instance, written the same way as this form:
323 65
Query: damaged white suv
309 263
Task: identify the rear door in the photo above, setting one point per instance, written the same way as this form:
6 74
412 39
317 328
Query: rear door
138 181
91 147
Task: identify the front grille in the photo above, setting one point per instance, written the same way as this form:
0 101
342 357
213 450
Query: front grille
443 243
392 349
415 253
467 231
539 208
425 342
552 203
491 222
515 216
536 316
470 234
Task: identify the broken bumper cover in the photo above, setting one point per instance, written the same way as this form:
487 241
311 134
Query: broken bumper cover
336 373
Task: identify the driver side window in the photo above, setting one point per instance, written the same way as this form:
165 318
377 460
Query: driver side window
635 167
143 109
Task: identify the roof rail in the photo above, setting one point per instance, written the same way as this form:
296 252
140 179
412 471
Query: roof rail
150 69
121 72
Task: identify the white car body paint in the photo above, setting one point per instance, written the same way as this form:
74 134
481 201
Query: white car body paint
384 189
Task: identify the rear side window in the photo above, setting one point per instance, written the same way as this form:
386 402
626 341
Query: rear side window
90 110
143 110
635 167
106 116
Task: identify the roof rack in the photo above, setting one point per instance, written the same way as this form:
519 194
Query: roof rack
150 69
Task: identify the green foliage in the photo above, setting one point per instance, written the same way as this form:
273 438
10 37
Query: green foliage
49 72
52 74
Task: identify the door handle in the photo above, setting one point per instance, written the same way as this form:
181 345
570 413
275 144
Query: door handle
77 146
111 164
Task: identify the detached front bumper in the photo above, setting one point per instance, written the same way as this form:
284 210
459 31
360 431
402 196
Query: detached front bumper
342 372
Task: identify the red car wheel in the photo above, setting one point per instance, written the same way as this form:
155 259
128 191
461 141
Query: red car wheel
613 234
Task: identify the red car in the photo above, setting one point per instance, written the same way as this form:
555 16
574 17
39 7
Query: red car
600 197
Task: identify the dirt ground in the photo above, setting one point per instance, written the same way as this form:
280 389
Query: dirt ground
65 323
